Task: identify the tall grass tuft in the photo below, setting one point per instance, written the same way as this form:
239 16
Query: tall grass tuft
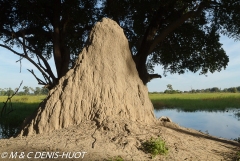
155 146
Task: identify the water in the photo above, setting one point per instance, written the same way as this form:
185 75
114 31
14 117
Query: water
225 124
7 131
217 123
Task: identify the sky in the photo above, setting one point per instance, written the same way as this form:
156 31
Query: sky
10 75
230 77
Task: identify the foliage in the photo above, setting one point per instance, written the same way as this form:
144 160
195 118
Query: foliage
169 86
155 146
9 92
170 90
237 139
26 91
207 90
178 35
45 29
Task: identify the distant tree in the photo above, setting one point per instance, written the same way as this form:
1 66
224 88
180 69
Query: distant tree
9 92
235 90
37 91
21 93
44 91
193 91
198 91
225 90
178 91
31 89
169 86
215 89
207 90
26 90
170 90
238 88
232 89
2 92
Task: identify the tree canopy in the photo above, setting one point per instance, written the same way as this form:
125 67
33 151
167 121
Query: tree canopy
178 35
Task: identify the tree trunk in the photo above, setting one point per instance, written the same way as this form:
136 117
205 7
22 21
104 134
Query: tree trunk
144 49
60 51
151 39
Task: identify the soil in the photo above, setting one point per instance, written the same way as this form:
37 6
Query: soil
101 107
104 144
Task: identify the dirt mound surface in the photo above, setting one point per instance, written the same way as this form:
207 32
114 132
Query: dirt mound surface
104 87
100 144
101 107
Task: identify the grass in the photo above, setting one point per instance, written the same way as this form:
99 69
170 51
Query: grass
25 105
155 146
118 158
198 101
22 106
237 156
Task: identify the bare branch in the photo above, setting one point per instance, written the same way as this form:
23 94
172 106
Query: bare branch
23 44
39 63
7 47
39 80
20 60
49 71
29 59
39 55
48 68
4 109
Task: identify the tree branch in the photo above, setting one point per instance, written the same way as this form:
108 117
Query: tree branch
172 26
39 80
6 47
3 111
29 59
39 67
20 60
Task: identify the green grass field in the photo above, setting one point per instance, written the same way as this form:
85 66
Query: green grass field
198 101
22 106
25 105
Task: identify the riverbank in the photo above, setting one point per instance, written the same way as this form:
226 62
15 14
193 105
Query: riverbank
100 144
23 106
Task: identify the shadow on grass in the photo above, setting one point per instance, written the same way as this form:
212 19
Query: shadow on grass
10 123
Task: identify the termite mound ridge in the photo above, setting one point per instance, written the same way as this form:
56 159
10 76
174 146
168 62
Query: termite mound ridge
104 87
